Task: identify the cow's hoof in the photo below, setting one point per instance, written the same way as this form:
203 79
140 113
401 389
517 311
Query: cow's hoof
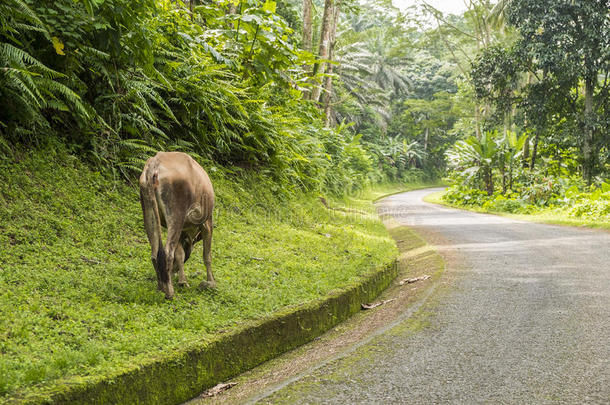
206 285
183 284
169 292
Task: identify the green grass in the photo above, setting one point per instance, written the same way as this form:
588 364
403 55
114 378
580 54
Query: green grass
555 216
78 292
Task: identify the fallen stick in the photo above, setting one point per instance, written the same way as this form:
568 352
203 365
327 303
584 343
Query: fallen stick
217 389
376 304
413 280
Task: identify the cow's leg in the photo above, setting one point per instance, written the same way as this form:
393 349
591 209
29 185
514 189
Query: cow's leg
174 229
179 265
206 232
152 234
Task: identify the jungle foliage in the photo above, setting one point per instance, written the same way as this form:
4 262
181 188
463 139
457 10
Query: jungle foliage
318 95
226 81
538 73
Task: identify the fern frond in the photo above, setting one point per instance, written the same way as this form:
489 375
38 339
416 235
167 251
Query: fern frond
10 55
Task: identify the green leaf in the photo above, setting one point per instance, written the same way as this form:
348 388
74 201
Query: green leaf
269 6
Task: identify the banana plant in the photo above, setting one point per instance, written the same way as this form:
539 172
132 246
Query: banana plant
474 159
511 148
403 154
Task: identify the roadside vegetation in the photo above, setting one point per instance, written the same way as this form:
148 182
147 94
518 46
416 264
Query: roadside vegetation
302 112
587 212
77 289
540 141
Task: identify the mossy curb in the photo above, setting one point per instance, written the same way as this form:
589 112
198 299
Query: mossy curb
182 375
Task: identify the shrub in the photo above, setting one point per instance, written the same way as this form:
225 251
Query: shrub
591 209
504 204
465 196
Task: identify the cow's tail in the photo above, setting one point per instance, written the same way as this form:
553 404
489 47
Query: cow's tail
153 224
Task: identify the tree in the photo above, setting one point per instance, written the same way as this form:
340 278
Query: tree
511 147
372 69
571 42
307 26
328 20
495 77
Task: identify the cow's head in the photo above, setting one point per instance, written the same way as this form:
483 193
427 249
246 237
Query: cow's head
187 242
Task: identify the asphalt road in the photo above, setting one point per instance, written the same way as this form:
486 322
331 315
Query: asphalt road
521 316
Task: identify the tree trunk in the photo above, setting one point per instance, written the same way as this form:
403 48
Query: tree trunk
328 85
535 151
328 88
426 139
505 134
506 123
503 174
526 145
526 153
587 148
307 27
489 181
327 19
328 111
477 130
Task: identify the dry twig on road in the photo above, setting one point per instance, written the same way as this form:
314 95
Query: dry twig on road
413 280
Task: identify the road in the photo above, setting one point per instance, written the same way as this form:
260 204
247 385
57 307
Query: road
521 316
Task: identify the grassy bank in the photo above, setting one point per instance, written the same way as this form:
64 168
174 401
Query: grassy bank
554 216
77 289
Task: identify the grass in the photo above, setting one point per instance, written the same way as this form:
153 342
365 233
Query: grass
553 216
78 292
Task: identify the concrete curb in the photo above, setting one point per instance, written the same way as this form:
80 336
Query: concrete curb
182 375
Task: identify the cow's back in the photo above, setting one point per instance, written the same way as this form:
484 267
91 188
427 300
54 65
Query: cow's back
184 185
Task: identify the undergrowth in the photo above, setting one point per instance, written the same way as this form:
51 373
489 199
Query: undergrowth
77 289
546 202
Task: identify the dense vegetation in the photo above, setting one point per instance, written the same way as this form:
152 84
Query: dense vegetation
541 134
118 79
319 96
281 102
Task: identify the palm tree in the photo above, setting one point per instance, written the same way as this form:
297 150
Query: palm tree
378 60
370 69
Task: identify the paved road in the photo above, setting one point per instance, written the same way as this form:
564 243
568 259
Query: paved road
522 317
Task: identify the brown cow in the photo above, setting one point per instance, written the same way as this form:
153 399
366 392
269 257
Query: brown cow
177 193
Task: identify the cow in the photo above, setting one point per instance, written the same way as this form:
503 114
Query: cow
175 192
